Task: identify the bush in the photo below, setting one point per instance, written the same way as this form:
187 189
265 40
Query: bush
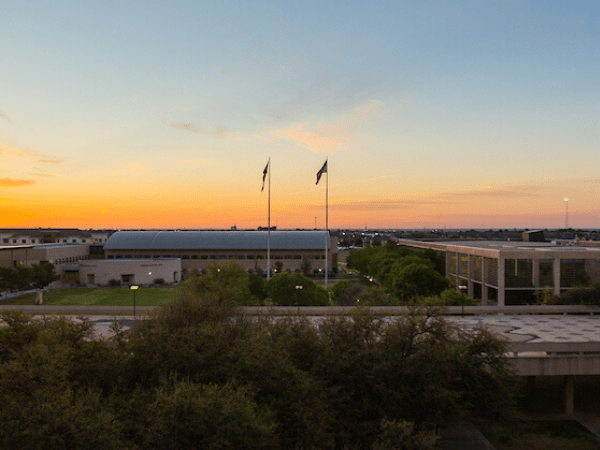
581 296
286 289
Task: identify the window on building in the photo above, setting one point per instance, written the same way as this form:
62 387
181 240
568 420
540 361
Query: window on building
14 241
127 278
223 256
241 256
23 241
297 256
5 241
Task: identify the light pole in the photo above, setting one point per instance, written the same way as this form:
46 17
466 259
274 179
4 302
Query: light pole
299 287
134 289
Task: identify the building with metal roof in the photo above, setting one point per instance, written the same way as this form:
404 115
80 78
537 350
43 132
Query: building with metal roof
294 250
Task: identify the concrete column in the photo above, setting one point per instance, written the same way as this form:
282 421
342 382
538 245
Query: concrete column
484 289
501 281
470 288
535 277
457 272
556 267
448 264
569 394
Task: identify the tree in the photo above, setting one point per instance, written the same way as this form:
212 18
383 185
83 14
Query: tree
294 289
228 281
43 274
416 280
188 415
305 266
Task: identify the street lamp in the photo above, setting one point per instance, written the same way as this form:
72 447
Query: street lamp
134 289
299 287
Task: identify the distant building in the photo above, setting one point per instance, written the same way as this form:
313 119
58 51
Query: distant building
197 249
64 256
32 236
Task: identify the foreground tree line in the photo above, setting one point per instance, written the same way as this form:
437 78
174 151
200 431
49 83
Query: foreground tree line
197 376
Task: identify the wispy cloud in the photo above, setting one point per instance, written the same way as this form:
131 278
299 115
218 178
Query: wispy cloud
385 205
196 162
495 191
12 182
9 151
333 136
5 117
219 131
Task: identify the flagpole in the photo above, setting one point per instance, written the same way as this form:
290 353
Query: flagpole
269 227
326 221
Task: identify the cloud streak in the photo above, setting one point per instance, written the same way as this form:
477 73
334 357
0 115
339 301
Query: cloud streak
333 136
9 151
196 162
12 182
5 117
219 131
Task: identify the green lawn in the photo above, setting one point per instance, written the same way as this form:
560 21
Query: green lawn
98 297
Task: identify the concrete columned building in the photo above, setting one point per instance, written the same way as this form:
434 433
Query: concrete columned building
515 272
197 249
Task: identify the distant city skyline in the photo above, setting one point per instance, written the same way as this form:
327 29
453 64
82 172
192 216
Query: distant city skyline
433 114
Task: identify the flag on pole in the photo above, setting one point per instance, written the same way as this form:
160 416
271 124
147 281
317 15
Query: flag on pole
321 172
265 176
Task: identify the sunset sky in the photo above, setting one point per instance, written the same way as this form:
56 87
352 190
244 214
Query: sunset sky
156 114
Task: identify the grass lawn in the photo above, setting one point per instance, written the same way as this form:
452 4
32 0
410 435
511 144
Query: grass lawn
99 297
543 435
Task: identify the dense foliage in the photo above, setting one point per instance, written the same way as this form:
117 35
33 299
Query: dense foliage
294 289
406 274
197 376
22 277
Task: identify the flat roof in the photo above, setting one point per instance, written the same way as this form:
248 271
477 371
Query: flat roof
510 249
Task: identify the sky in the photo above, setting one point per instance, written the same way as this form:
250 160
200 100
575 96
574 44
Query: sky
431 114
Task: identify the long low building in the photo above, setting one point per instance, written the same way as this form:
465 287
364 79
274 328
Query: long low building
292 250
130 271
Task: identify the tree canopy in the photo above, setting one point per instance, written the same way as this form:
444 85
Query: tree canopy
195 375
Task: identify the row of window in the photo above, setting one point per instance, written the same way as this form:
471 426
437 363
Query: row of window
216 257
35 241
69 260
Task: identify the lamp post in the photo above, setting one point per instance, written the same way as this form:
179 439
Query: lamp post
299 287
462 289
134 289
